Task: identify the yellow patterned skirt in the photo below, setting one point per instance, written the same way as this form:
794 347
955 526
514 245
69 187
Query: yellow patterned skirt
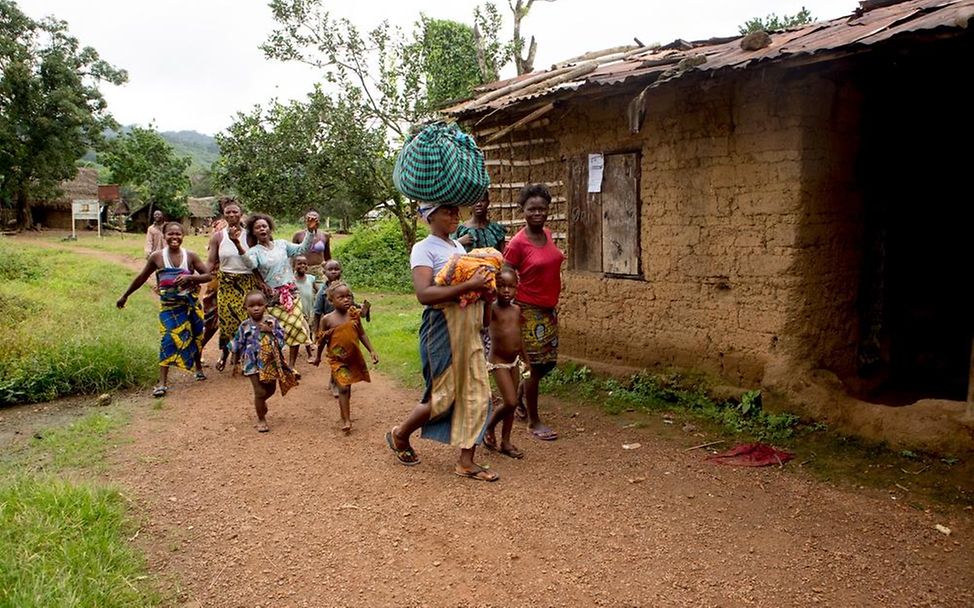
296 331
232 290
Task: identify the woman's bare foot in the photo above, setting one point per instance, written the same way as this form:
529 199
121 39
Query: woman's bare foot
490 441
508 449
346 426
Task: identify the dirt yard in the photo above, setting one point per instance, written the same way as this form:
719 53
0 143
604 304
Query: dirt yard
304 516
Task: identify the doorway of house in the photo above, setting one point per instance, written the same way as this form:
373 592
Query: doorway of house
915 170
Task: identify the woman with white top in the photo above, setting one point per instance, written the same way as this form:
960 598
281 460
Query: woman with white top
235 279
457 397
179 273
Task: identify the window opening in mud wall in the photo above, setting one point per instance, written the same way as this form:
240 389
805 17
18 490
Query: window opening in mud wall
603 227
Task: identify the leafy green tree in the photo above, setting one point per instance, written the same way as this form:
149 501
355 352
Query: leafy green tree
773 22
145 162
448 60
51 110
201 182
492 54
321 152
397 79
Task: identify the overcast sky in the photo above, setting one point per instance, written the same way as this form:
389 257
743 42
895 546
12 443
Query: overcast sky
193 64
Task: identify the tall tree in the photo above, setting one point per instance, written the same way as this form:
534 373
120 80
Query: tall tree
51 110
448 60
397 78
773 22
520 10
201 182
320 152
145 162
492 54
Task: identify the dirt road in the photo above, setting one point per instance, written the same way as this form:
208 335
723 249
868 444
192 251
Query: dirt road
304 516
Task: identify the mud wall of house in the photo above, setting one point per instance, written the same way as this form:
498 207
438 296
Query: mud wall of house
732 278
53 218
515 158
823 322
749 224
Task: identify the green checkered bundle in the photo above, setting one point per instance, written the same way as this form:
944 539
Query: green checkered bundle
441 165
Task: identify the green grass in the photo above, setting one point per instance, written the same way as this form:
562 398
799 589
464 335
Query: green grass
61 333
673 392
126 244
375 257
394 332
63 538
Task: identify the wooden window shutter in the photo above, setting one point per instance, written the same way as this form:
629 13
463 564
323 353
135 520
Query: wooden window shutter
584 219
620 215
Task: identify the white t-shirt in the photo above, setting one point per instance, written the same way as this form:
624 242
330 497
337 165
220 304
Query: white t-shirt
434 252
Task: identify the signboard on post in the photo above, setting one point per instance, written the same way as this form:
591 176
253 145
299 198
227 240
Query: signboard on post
87 209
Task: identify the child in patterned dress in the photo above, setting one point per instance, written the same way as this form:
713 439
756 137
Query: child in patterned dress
259 342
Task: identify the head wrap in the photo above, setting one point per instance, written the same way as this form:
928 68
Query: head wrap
427 209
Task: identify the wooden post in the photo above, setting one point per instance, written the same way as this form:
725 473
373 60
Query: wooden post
526 120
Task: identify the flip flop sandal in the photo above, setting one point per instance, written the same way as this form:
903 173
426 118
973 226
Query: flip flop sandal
521 412
221 365
160 391
493 447
544 434
479 475
200 376
405 457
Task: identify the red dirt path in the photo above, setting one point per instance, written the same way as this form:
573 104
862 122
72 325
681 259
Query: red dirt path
304 516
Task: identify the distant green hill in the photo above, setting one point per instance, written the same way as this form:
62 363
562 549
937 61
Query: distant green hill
199 147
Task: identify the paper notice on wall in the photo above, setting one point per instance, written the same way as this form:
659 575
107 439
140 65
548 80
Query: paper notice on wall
596 163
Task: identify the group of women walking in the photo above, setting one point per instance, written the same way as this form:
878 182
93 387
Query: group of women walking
243 257
456 405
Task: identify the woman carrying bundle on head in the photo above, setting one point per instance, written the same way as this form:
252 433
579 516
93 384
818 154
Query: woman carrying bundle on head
443 168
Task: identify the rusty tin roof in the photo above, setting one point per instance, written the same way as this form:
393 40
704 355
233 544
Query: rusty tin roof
659 64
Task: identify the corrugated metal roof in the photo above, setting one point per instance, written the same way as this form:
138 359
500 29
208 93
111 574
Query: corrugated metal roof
662 64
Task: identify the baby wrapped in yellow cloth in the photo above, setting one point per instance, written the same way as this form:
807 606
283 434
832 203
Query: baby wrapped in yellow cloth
461 267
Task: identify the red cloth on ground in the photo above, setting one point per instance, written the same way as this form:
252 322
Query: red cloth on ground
538 269
752 455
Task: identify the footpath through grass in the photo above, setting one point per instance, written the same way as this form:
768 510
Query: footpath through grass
64 537
60 332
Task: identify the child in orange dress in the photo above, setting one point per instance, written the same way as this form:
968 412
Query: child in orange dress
341 331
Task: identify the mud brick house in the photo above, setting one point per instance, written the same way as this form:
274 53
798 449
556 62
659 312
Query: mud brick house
201 211
56 213
769 206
